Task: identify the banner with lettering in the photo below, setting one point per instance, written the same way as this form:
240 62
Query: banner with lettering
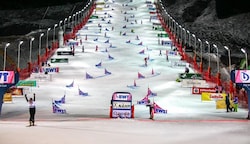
242 76
7 97
7 77
49 69
212 96
199 90
25 83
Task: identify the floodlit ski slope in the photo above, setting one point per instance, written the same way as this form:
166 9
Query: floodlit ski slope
127 62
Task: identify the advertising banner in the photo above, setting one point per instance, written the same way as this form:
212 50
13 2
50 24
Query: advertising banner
190 76
49 69
199 90
121 105
193 83
122 96
220 104
156 24
242 76
29 83
213 96
41 76
121 113
178 64
7 98
7 77
59 60
162 35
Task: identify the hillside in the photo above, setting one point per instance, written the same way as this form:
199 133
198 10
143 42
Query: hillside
220 22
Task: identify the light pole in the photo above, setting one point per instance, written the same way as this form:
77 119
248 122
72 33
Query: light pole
185 36
54 33
244 51
60 23
39 48
69 22
29 63
194 47
209 59
40 39
180 28
80 16
47 38
18 55
188 38
64 24
218 67
76 18
31 40
4 58
229 58
201 65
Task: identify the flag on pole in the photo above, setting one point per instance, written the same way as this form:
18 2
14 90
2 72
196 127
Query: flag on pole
158 109
150 93
140 76
88 76
142 51
107 41
70 85
99 64
61 101
110 57
106 72
135 84
144 101
81 93
57 109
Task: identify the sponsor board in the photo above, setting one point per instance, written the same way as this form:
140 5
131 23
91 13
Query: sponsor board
59 60
41 76
178 64
49 69
156 24
242 76
205 96
162 35
100 3
190 76
94 16
152 12
220 104
7 77
7 98
158 28
154 17
199 90
166 42
26 83
193 83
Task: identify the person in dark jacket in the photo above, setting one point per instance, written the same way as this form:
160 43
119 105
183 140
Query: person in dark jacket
32 108
227 101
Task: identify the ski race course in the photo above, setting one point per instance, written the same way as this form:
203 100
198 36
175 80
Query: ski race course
109 56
